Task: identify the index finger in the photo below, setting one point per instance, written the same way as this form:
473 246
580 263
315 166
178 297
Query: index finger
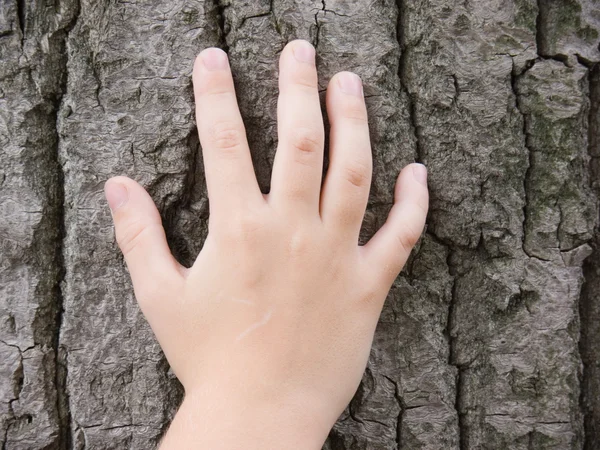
230 177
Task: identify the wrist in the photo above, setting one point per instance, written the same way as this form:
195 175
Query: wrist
224 421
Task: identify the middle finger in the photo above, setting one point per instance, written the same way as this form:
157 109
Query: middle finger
296 179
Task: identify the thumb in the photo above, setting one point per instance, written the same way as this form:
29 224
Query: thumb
141 238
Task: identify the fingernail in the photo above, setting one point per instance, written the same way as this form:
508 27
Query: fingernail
304 52
420 173
116 194
350 83
214 59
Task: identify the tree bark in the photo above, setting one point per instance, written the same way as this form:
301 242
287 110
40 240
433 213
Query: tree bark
489 337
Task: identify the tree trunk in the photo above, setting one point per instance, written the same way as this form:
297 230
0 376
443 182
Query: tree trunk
489 338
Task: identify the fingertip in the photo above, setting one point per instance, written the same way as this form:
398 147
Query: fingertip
345 99
348 83
299 41
211 68
211 58
116 193
300 46
419 172
412 179
126 196
303 51
117 179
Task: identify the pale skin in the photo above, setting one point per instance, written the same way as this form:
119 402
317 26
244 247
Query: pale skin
270 330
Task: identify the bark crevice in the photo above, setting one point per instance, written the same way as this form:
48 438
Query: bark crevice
541 35
318 24
21 17
221 6
589 304
526 145
452 359
402 67
402 408
60 353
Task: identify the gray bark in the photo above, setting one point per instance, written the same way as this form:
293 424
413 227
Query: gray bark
489 338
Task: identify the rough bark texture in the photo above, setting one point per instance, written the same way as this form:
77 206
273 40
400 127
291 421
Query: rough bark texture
489 338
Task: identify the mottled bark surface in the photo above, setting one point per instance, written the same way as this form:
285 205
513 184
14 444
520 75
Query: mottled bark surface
489 338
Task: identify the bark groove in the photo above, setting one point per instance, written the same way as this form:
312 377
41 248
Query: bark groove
589 306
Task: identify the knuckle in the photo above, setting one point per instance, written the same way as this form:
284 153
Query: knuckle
307 141
305 83
215 93
212 86
300 244
132 237
245 227
423 206
226 136
305 80
358 173
407 239
355 111
249 222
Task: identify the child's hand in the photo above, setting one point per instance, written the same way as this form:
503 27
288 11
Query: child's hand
270 330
